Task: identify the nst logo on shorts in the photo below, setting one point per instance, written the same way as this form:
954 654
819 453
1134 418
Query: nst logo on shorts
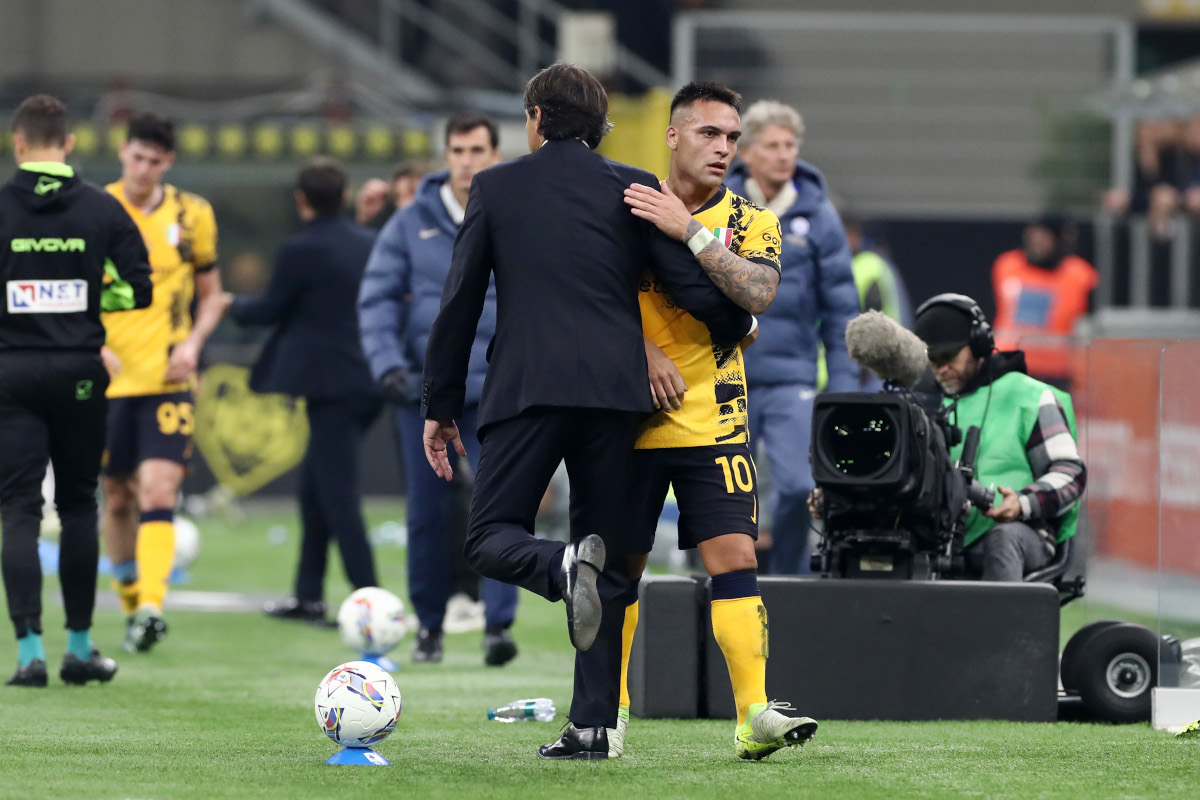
46 297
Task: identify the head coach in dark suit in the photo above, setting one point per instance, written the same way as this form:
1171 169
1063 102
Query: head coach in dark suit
314 353
567 377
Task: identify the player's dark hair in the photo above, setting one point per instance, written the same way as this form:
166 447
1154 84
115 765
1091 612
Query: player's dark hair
574 104
467 121
152 129
42 120
706 90
323 184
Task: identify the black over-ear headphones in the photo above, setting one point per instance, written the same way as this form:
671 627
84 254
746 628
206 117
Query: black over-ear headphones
980 339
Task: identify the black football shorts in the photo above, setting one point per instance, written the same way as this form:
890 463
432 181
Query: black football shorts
148 426
715 486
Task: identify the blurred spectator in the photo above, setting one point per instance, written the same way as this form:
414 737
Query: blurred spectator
1042 290
399 299
371 203
1191 153
880 288
1160 176
313 352
880 285
405 180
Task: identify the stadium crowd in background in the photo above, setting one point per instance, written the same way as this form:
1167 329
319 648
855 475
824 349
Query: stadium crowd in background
53 380
152 355
816 298
1166 174
399 299
314 352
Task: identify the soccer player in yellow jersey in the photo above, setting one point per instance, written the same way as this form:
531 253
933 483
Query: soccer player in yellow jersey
152 355
698 441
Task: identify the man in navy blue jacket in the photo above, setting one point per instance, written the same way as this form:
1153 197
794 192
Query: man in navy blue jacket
399 299
815 301
314 353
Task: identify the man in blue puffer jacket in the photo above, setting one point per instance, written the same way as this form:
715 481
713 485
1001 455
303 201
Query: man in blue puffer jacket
400 296
815 300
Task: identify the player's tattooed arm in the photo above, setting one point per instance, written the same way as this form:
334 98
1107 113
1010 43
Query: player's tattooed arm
752 286
749 285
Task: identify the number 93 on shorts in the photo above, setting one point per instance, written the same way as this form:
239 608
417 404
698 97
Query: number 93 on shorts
148 426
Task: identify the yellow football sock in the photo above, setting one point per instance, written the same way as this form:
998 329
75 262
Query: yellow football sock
128 592
740 627
155 557
627 631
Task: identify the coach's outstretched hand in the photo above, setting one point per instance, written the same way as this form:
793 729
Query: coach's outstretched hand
437 436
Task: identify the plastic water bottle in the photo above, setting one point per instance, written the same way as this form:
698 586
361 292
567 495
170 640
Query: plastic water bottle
540 709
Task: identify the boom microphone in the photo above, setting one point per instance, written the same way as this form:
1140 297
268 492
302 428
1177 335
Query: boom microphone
880 344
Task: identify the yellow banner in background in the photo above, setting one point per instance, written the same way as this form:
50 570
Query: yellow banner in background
248 439
639 134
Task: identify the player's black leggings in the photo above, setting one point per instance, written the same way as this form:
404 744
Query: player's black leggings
52 408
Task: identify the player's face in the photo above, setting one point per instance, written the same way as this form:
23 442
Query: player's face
772 157
143 165
954 373
704 142
468 153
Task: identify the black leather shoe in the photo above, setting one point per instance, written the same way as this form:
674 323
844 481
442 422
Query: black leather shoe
311 611
428 648
77 671
498 648
583 744
32 674
582 562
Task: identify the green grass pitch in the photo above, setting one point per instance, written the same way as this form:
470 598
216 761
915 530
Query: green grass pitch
223 709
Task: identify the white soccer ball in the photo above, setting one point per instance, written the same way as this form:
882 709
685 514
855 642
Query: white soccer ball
357 704
372 621
187 542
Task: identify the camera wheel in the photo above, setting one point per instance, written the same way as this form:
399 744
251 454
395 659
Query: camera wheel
1117 668
1070 655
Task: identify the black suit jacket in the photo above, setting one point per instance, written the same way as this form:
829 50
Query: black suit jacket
567 254
314 351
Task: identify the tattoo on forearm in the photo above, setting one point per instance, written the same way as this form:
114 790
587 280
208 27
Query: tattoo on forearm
751 286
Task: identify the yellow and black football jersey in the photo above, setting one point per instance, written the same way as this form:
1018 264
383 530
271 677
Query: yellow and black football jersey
714 407
181 235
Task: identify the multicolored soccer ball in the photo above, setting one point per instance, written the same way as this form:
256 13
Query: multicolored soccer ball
357 704
372 621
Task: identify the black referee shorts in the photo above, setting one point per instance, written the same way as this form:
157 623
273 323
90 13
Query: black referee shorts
716 489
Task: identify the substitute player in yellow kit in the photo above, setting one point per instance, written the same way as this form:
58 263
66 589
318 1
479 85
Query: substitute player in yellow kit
152 355
698 442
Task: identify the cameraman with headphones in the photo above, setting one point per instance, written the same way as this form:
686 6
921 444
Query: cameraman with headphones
1027 450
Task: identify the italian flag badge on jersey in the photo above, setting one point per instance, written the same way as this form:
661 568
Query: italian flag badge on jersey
724 235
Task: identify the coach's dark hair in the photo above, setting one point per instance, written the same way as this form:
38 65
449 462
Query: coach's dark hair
153 129
574 104
42 120
467 121
706 90
323 184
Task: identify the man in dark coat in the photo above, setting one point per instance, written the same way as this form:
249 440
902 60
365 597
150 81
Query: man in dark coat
567 378
314 353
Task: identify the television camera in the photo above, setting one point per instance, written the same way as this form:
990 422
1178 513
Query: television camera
894 504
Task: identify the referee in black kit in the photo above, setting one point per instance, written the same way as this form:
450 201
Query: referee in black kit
67 251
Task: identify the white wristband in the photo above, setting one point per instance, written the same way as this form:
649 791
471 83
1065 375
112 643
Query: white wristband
700 240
